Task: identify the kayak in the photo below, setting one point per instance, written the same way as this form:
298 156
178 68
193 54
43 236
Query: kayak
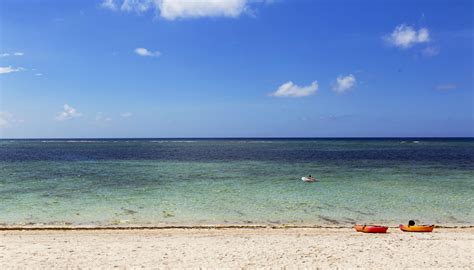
309 179
417 228
371 228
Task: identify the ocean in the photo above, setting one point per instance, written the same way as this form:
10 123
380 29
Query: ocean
155 182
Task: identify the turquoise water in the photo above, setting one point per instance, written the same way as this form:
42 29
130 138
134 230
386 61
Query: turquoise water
188 182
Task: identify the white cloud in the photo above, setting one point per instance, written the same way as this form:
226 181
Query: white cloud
7 120
67 114
9 54
182 9
405 36
110 4
446 87
172 9
290 89
146 52
430 51
38 74
126 114
101 118
138 6
10 69
344 83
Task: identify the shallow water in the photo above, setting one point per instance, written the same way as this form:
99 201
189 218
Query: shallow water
240 181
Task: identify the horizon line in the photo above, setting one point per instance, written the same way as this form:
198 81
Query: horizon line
249 138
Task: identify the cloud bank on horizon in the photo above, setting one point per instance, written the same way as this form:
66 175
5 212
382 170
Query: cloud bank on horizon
7 120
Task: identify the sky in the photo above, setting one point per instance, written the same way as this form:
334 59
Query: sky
236 68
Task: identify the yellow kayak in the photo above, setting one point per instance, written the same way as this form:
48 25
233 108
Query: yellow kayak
417 228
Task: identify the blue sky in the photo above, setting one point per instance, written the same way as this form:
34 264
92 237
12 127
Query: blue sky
236 68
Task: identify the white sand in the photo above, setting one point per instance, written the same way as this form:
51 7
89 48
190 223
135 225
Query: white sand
236 248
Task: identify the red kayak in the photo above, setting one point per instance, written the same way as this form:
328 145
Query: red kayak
371 228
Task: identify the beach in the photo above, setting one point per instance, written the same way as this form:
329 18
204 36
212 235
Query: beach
236 248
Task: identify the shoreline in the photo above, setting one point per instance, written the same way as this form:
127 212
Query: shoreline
196 227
